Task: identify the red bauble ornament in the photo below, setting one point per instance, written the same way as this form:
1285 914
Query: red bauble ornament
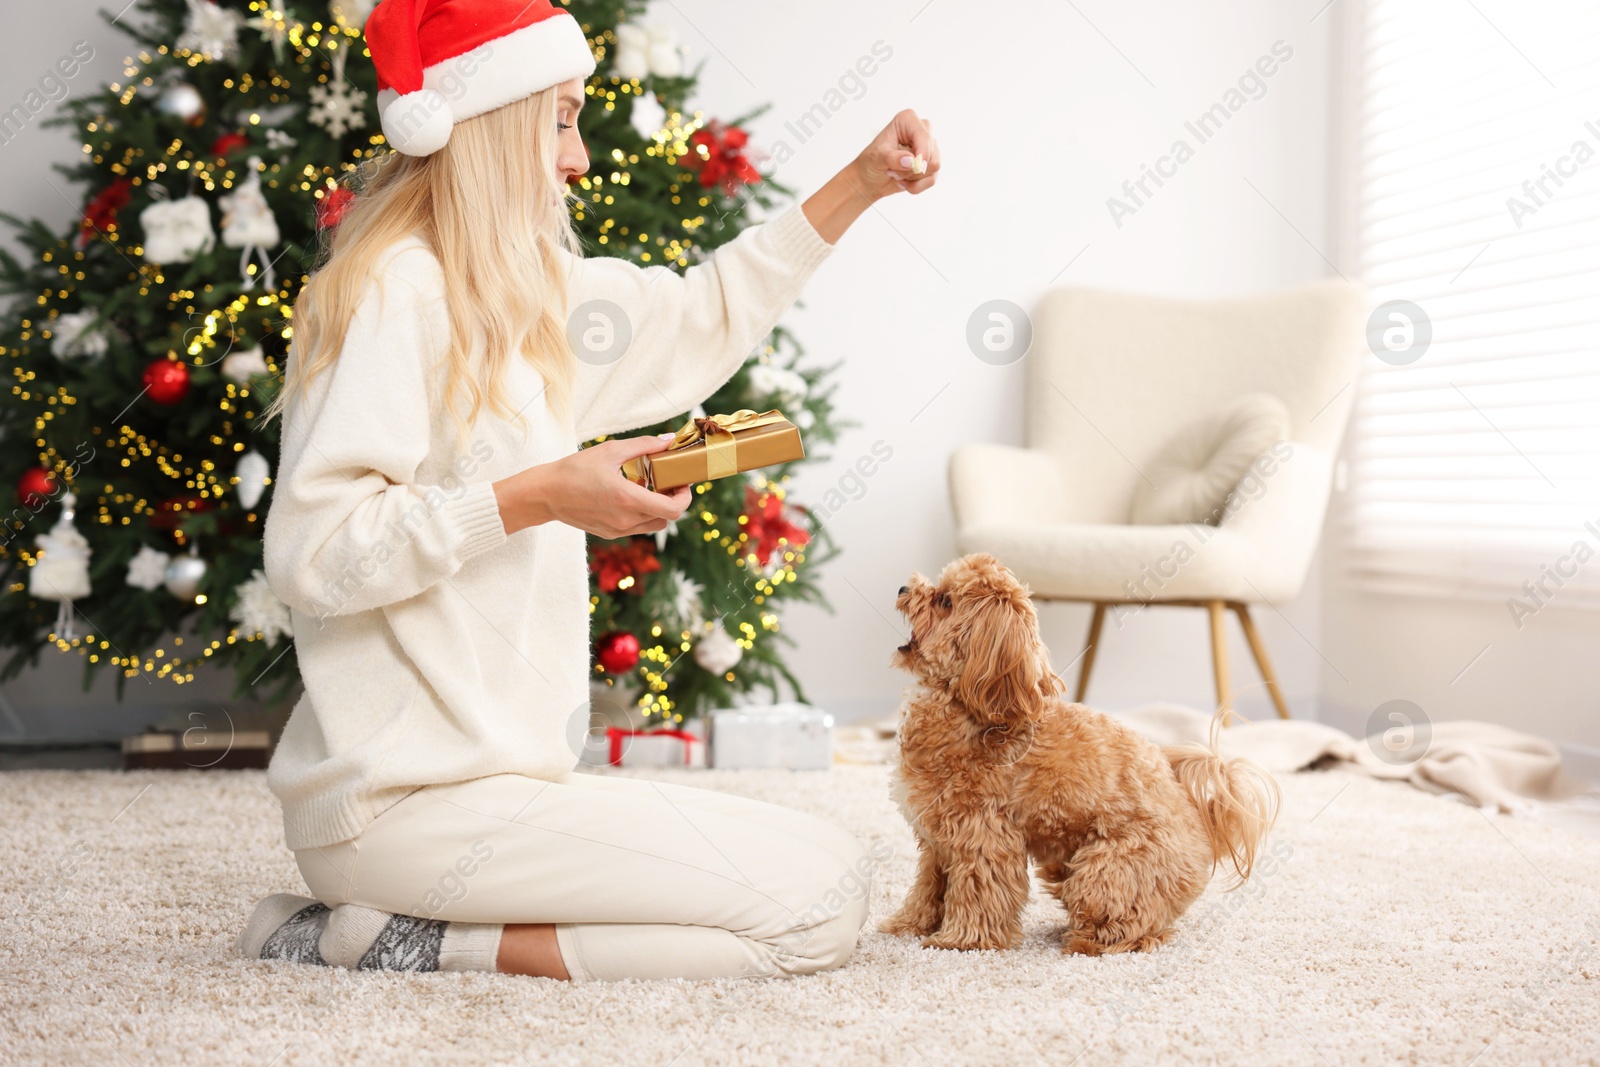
100 215
166 381
35 487
169 514
228 142
617 651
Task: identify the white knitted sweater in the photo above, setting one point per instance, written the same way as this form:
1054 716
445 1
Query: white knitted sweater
434 647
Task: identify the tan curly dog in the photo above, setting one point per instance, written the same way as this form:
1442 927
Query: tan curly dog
996 767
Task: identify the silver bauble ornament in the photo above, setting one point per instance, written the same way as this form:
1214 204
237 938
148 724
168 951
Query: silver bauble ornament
184 574
184 101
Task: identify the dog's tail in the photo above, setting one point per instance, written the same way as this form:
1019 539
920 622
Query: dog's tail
1237 799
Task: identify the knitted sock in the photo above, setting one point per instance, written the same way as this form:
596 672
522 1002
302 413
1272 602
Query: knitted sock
366 939
289 927
284 927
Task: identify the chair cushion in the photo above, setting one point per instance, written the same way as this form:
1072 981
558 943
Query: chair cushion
1198 467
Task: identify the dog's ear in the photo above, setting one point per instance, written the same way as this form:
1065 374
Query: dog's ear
1003 678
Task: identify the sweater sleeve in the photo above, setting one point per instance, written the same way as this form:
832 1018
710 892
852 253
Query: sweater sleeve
680 336
351 526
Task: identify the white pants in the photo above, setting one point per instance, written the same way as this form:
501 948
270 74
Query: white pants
642 879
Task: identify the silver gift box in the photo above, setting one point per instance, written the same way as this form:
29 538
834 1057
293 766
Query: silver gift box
794 737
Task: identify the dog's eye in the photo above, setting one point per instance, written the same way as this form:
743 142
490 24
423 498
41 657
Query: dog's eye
944 601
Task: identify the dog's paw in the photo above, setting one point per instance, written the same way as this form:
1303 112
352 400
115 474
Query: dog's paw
965 942
902 924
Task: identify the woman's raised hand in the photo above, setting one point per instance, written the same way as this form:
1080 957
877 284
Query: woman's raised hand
587 490
886 166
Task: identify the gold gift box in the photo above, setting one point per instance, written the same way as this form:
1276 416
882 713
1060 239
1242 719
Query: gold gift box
719 446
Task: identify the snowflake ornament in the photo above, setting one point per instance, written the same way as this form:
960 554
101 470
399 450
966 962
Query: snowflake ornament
686 602
258 610
338 106
211 31
148 569
273 22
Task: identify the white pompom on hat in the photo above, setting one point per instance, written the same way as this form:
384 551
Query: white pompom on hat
441 61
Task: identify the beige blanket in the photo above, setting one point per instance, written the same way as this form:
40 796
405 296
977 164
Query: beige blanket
1487 765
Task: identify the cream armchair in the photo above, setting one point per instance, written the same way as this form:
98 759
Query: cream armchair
1111 377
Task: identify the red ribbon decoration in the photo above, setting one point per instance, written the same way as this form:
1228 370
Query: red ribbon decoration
615 734
724 161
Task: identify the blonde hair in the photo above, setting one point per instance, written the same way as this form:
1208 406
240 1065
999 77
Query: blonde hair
492 208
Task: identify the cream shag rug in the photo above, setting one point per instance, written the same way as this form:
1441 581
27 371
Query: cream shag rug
1393 927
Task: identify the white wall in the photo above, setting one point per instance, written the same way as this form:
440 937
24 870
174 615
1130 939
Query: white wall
45 33
1042 114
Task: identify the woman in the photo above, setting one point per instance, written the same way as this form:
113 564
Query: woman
434 561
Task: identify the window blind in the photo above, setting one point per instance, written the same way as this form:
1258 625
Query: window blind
1474 459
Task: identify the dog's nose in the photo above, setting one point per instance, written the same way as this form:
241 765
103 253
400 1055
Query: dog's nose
904 589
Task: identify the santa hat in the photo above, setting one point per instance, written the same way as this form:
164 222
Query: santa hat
441 61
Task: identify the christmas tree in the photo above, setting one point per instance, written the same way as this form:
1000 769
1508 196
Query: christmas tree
144 342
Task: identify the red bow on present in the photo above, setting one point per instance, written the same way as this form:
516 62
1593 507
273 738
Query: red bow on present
615 734
719 157
101 213
767 525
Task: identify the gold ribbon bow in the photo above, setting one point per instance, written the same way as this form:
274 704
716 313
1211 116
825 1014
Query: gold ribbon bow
717 431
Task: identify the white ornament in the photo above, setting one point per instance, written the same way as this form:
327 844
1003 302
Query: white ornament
666 55
182 100
669 530
686 602
717 652
787 387
184 574
240 367
211 30
61 571
352 13
647 50
148 569
632 58
247 219
277 139
253 473
338 106
77 334
248 223
257 609
175 231
648 116
273 22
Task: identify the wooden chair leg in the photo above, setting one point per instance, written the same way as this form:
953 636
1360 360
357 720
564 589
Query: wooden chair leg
1090 647
1219 651
1259 650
